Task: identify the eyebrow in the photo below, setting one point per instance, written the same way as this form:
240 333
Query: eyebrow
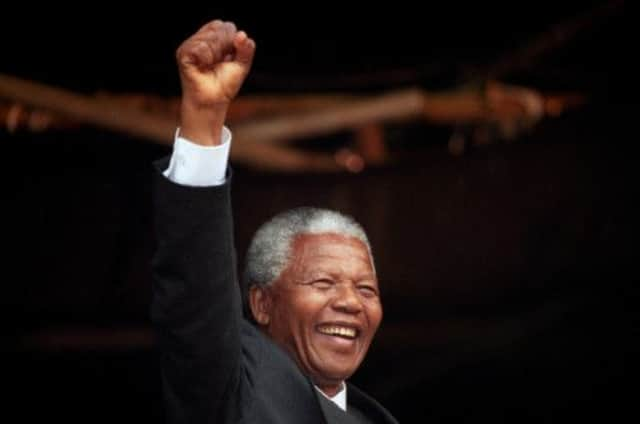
371 277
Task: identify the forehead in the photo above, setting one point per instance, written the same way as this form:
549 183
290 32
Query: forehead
317 250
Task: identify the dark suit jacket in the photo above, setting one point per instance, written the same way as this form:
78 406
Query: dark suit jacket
216 366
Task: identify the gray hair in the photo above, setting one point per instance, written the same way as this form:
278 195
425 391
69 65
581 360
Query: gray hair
270 249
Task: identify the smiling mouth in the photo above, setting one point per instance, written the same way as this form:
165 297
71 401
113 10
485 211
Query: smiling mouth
339 331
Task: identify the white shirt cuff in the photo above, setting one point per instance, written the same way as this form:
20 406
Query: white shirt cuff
199 166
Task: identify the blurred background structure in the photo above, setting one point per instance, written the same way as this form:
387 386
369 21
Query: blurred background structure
488 149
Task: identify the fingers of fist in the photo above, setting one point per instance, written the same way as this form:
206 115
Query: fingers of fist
213 43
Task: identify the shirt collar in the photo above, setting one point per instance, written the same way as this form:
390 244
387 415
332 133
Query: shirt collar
340 398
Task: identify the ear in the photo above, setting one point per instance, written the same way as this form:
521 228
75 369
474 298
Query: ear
260 303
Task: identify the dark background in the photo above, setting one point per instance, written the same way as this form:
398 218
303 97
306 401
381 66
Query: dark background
508 273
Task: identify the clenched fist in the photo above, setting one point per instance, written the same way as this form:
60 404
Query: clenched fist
213 64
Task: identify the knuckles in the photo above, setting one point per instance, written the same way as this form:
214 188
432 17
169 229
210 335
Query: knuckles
208 43
211 44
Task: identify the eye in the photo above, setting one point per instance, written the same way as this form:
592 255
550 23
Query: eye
367 290
322 284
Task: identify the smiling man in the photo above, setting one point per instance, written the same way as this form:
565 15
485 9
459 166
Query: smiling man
320 302
313 294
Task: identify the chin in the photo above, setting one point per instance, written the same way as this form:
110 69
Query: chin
336 373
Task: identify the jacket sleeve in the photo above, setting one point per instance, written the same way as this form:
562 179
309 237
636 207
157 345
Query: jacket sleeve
196 305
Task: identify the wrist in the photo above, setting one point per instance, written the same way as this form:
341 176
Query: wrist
202 125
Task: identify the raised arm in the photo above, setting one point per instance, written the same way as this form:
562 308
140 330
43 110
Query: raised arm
196 304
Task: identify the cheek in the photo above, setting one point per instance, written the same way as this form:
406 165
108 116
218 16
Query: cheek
298 311
374 312
280 311
307 307
307 310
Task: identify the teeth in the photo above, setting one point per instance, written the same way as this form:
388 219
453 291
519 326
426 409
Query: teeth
335 330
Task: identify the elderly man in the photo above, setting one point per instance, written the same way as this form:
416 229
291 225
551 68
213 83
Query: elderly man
313 293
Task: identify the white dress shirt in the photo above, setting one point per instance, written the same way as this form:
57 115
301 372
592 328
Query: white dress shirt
203 166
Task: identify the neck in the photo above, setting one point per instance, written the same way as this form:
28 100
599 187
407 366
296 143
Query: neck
331 389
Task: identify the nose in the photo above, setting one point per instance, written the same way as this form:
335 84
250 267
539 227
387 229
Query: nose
347 300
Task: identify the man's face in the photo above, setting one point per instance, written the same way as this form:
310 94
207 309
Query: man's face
324 309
